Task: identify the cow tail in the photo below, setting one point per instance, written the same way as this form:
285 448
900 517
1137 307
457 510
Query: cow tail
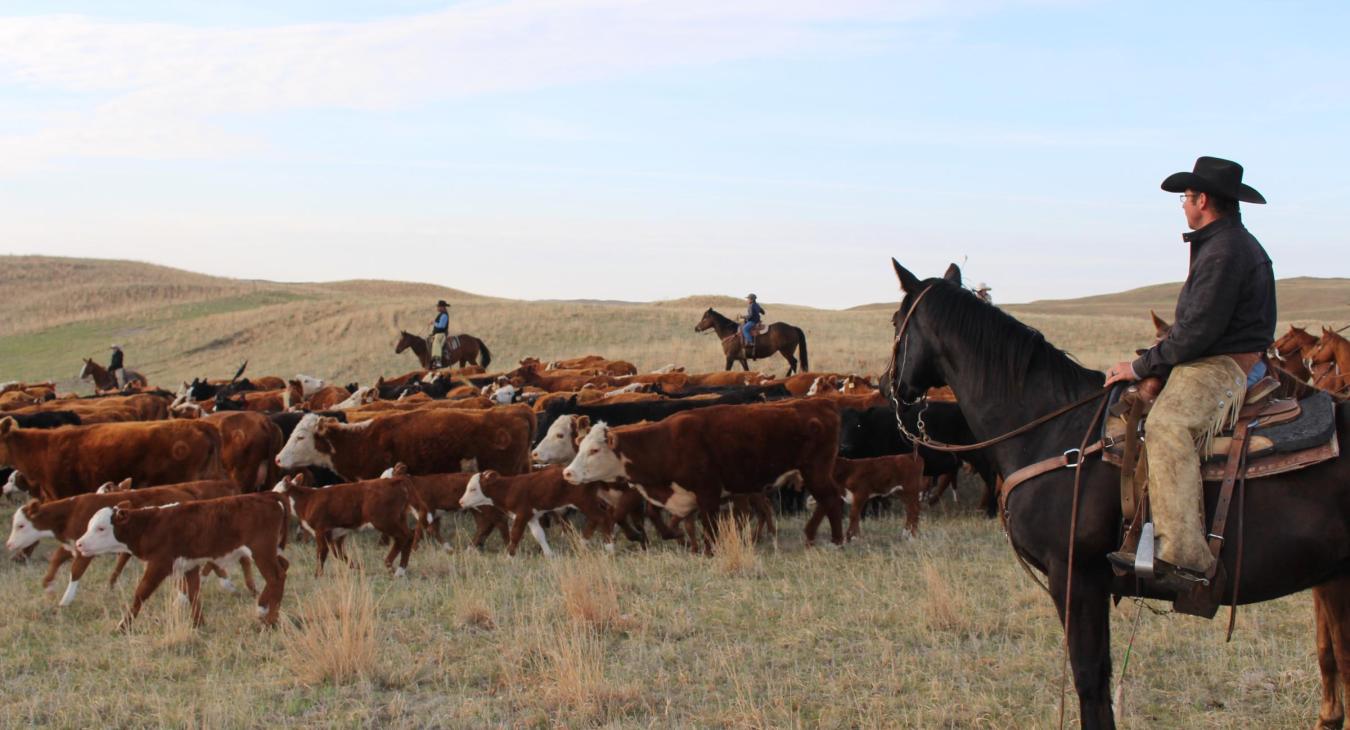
417 506
801 350
215 464
484 355
286 519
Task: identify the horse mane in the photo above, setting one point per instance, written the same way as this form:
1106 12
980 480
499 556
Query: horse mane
1009 350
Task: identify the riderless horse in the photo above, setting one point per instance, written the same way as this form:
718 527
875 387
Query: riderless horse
106 381
781 338
1005 374
465 348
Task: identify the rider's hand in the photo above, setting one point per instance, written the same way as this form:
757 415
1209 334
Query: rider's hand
1121 372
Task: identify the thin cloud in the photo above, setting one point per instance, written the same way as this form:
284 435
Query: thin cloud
154 90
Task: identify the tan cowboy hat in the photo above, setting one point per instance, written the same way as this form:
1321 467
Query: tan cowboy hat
114 347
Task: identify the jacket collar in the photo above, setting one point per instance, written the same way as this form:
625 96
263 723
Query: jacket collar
1200 235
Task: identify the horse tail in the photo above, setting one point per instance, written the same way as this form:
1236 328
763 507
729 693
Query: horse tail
801 349
484 355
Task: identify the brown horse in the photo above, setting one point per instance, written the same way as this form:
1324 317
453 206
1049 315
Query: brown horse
1331 360
468 347
781 338
106 381
1290 350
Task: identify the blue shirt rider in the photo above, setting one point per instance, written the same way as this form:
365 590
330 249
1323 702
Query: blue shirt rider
440 329
752 316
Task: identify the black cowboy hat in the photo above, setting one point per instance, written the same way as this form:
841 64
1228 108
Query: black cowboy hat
1214 176
442 303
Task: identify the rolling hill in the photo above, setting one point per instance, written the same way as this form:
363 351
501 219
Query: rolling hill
176 325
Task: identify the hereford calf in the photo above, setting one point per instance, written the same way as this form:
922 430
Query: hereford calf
441 494
64 520
882 476
177 539
527 497
331 513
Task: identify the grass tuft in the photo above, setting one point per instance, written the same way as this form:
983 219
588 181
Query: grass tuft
335 637
734 550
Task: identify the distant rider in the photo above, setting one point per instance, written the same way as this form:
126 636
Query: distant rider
440 328
753 313
116 368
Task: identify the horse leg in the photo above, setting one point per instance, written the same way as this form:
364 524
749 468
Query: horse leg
730 360
1089 641
792 361
1331 605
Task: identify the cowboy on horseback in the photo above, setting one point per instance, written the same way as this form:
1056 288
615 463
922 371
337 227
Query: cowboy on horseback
115 366
753 313
1225 321
440 328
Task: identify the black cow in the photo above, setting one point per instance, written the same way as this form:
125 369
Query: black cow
47 419
774 391
621 414
873 432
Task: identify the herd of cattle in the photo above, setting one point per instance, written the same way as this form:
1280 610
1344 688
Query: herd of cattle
213 476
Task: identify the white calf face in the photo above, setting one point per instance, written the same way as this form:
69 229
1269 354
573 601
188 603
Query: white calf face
12 484
302 449
23 533
98 538
557 446
595 460
473 494
309 385
504 395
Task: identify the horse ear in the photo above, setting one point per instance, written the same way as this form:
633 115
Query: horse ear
953 274
909 283
1159 323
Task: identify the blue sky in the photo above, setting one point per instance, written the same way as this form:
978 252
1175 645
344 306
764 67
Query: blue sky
630 150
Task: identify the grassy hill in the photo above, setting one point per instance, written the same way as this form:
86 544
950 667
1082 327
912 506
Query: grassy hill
176 325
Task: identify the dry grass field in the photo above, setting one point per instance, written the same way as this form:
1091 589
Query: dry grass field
941 631
177 325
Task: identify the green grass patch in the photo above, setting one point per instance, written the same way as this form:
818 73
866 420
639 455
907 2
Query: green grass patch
56 351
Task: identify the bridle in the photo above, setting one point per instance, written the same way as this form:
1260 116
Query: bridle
922 438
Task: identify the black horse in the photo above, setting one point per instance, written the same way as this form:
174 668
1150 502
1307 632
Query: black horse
1005 375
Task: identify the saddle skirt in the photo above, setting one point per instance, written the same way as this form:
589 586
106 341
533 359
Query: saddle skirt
1286 434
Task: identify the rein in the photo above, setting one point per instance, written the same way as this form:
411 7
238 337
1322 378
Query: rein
923 440
1085 448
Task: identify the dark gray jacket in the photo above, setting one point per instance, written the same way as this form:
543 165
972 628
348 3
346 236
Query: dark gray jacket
1226 306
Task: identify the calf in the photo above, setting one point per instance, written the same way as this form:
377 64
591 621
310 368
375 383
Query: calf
878 477
527 497
331 513
64 520
177 539
441 494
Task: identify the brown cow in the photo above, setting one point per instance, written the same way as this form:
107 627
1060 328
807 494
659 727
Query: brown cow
418 402
441 494
178 539
433 441
63 462
331 513
64 520
249 445
527 497
109 409
688 461
879 477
